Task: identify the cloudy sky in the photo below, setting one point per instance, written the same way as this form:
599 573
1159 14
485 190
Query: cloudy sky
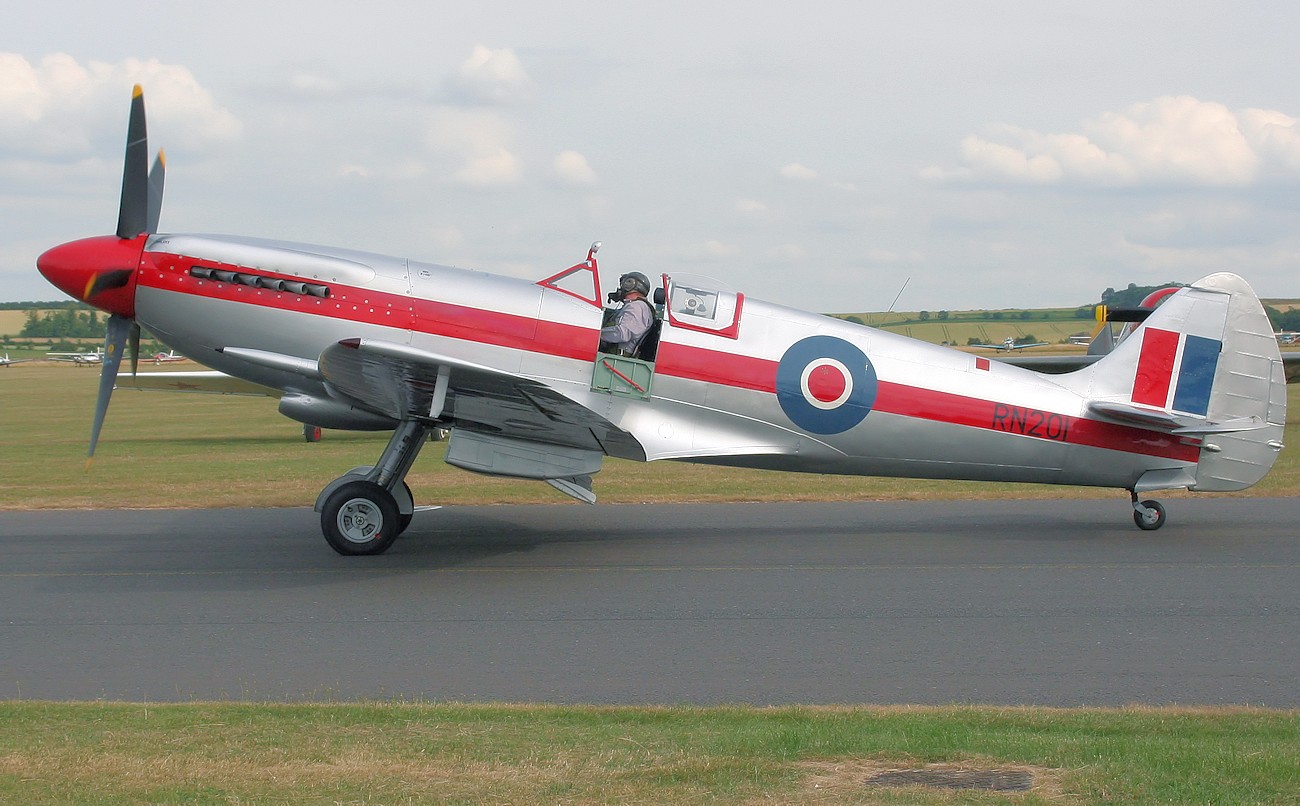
998 154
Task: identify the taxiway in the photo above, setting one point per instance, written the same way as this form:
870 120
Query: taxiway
1057 602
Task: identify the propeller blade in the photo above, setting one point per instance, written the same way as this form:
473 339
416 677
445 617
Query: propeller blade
118 330
135 347
157 177
133 212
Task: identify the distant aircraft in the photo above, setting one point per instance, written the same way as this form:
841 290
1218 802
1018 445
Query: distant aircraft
1194 398
9 362
1008 344
80 359
168 357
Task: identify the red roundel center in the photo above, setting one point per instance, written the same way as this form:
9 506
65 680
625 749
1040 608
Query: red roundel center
826 383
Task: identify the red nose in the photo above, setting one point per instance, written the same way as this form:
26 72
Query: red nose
100 271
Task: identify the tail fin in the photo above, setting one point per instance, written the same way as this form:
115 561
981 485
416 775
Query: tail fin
1205 366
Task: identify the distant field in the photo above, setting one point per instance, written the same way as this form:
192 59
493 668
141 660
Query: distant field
11 322
992 332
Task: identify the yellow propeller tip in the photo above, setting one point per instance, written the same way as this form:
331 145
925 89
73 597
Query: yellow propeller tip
90 460
137 91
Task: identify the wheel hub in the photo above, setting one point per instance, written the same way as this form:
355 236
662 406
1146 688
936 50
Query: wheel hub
360 520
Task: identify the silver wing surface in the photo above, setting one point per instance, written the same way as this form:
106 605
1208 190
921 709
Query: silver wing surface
407 383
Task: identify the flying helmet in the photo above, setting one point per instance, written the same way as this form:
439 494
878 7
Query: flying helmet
633 281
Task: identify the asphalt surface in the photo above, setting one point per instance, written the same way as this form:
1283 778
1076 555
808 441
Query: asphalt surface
1050 602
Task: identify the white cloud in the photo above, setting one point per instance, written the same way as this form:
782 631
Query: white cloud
491 77
59 107
388 171
493 169
751 207
1176 140
481 140
571 168
795 172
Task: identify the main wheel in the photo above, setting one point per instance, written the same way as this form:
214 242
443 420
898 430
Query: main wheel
360 517
1153 518
404 520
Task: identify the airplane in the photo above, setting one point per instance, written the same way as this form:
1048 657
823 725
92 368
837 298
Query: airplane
1009 344
80 359
6 361
1194 398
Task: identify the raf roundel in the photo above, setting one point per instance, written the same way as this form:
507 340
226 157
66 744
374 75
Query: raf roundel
825 385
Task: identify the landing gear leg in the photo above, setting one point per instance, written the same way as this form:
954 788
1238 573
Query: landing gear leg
359 513
1149 515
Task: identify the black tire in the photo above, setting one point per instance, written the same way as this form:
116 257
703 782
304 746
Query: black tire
404 518
360 517
311 433
1149 524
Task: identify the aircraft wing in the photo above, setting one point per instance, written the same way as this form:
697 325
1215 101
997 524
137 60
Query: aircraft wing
1052 364
405 383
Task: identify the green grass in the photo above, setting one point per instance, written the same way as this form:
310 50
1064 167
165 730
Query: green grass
450 753
163 450
178 450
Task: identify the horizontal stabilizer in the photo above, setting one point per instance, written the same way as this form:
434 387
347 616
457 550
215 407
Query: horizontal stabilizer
1226 427
1137 415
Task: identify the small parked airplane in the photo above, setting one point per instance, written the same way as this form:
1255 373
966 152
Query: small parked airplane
1194 398
80 359
168 357
1009 344
6 361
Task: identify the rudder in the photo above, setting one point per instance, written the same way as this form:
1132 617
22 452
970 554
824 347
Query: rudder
1205 365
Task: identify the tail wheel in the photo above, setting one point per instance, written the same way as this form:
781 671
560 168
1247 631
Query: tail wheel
1150 516
360 517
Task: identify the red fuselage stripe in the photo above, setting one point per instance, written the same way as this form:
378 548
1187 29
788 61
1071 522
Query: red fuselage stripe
171 273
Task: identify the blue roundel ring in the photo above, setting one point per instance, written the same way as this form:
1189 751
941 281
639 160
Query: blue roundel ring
825 385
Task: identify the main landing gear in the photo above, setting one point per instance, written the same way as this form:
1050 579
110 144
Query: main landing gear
1149 515
363 511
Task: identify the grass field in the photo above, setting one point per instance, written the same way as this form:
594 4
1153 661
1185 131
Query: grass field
448 753
168 450
176 450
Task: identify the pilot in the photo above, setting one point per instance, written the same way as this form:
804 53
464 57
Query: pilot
629 323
